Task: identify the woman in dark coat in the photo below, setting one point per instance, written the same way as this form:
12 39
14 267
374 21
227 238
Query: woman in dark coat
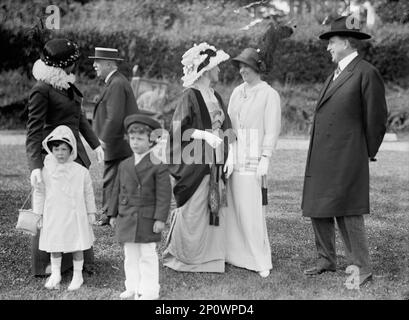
54 101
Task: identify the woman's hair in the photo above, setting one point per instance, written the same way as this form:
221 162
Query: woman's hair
140 128
57 143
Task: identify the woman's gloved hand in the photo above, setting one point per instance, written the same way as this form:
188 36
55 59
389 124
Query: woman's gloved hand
36 177
100 153
213 140
262 166
40 222
229 165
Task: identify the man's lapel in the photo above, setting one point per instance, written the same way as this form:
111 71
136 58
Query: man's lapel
325 88
333 86
105 90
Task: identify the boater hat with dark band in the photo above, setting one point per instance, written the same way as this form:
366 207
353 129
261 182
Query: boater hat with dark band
345 26
106 54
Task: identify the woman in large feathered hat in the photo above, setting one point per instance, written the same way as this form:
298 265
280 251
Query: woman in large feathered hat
199 162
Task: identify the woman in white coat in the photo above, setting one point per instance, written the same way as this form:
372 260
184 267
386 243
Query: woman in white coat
254 109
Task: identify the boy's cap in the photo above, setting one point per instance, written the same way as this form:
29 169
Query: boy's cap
141 118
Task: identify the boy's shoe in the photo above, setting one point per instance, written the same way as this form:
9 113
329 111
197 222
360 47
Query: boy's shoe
53 282
127 294
264 274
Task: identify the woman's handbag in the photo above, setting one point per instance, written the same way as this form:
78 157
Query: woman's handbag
264 200
27 219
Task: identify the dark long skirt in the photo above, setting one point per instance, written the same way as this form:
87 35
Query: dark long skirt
40 260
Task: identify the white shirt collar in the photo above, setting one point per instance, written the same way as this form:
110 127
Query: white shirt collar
347 60
109 75
139 157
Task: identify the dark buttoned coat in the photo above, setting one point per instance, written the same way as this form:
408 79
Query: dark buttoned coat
115 103
140 196
48 108
348 129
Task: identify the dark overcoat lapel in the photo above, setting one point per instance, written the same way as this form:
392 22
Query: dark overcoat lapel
333 86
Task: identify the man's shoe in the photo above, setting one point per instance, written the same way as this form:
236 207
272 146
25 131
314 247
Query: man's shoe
317 270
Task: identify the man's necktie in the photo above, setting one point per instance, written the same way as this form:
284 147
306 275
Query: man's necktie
337 72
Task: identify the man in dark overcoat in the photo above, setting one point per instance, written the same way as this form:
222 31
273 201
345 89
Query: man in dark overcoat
115 103
348 129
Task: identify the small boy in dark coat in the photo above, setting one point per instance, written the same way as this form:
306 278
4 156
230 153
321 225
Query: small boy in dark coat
139 207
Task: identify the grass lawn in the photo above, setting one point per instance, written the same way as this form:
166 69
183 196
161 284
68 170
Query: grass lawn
291 239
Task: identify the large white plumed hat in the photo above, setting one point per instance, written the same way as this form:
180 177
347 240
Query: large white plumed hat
200 58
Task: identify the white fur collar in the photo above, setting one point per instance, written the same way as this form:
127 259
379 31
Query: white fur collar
54 76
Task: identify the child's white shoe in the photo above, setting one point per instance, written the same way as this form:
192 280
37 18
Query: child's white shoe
76 281
127 294
53 281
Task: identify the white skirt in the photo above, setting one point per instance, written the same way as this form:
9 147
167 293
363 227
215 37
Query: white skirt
247 243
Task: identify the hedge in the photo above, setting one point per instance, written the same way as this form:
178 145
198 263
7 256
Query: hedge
303 60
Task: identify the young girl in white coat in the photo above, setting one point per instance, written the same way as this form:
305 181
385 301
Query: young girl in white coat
65 199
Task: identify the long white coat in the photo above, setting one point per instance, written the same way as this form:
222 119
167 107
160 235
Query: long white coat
64 199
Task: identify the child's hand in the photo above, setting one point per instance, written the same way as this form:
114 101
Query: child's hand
112 222
158 226
91 218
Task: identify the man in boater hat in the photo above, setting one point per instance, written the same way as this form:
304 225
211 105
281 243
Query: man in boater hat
115 103
348 129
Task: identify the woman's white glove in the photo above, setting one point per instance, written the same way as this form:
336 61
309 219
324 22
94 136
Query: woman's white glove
228 166
40 222
213 140
100 153
262 167
36 177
